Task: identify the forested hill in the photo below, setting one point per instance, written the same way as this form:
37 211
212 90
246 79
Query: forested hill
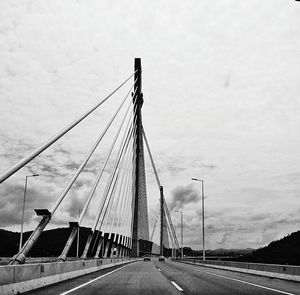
50 243
284 251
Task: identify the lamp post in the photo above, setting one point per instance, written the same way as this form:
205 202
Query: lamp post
203 233
25 189
181 232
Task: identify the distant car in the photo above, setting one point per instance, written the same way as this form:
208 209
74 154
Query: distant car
161 258
147 258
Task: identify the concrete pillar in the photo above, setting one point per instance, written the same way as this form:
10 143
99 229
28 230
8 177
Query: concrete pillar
122 246
99 245
113 245
127 247
119 245
87 246
116 245
109 245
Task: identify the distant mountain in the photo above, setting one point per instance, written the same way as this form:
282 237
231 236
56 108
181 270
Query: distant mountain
233 253
283 251
50 243
229 252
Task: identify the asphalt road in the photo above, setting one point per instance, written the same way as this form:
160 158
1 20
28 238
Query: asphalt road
169 277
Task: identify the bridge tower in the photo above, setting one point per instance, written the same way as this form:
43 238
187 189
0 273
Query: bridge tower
140 217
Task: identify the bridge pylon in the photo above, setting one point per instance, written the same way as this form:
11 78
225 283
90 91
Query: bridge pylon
140 229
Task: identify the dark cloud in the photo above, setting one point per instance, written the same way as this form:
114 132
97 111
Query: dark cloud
198 163
11 202
14 149
260 217
183 195
227 81
72 165
225 238
75 206
87 179
211 167
175 169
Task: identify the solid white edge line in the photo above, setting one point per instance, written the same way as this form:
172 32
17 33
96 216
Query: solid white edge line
89 282
245 282
176 286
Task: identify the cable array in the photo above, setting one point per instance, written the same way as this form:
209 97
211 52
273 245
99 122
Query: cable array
114 180
121 214
166 213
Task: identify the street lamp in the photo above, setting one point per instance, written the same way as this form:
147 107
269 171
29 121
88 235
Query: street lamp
25 189
202 194
181 232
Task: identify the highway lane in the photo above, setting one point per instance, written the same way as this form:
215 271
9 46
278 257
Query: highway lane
141 277
169 278
194 279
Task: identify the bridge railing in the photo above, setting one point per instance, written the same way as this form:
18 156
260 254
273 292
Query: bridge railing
16 279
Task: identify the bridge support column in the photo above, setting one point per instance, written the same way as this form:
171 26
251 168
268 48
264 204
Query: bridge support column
128 247
109 245
99 247
87 246
94 243
74 226
113 245
21 256
119 246
122 247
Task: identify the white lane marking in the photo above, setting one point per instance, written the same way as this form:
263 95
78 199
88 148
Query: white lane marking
85 284
244 282
159 269
176 286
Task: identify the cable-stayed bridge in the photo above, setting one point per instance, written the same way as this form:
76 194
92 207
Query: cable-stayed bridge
120 232
121 225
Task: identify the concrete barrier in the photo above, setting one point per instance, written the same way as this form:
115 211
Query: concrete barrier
15 279
285 272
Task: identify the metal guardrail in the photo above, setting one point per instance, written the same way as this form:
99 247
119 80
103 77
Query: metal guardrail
16 279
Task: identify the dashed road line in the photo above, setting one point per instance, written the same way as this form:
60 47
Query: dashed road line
85 284
176 286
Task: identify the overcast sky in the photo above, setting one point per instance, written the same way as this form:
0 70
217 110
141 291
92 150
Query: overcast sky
221 88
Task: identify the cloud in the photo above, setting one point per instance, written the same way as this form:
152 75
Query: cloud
183 195
237 130
75 206
226 237
11 201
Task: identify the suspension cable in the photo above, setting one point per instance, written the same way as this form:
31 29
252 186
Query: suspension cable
7 173
103 200
159 185
115 179
123 177
126 196
108 186
68 186
151 159
92 192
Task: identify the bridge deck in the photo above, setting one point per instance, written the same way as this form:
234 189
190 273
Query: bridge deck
168 277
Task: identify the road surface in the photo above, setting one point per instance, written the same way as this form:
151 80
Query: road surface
154 277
